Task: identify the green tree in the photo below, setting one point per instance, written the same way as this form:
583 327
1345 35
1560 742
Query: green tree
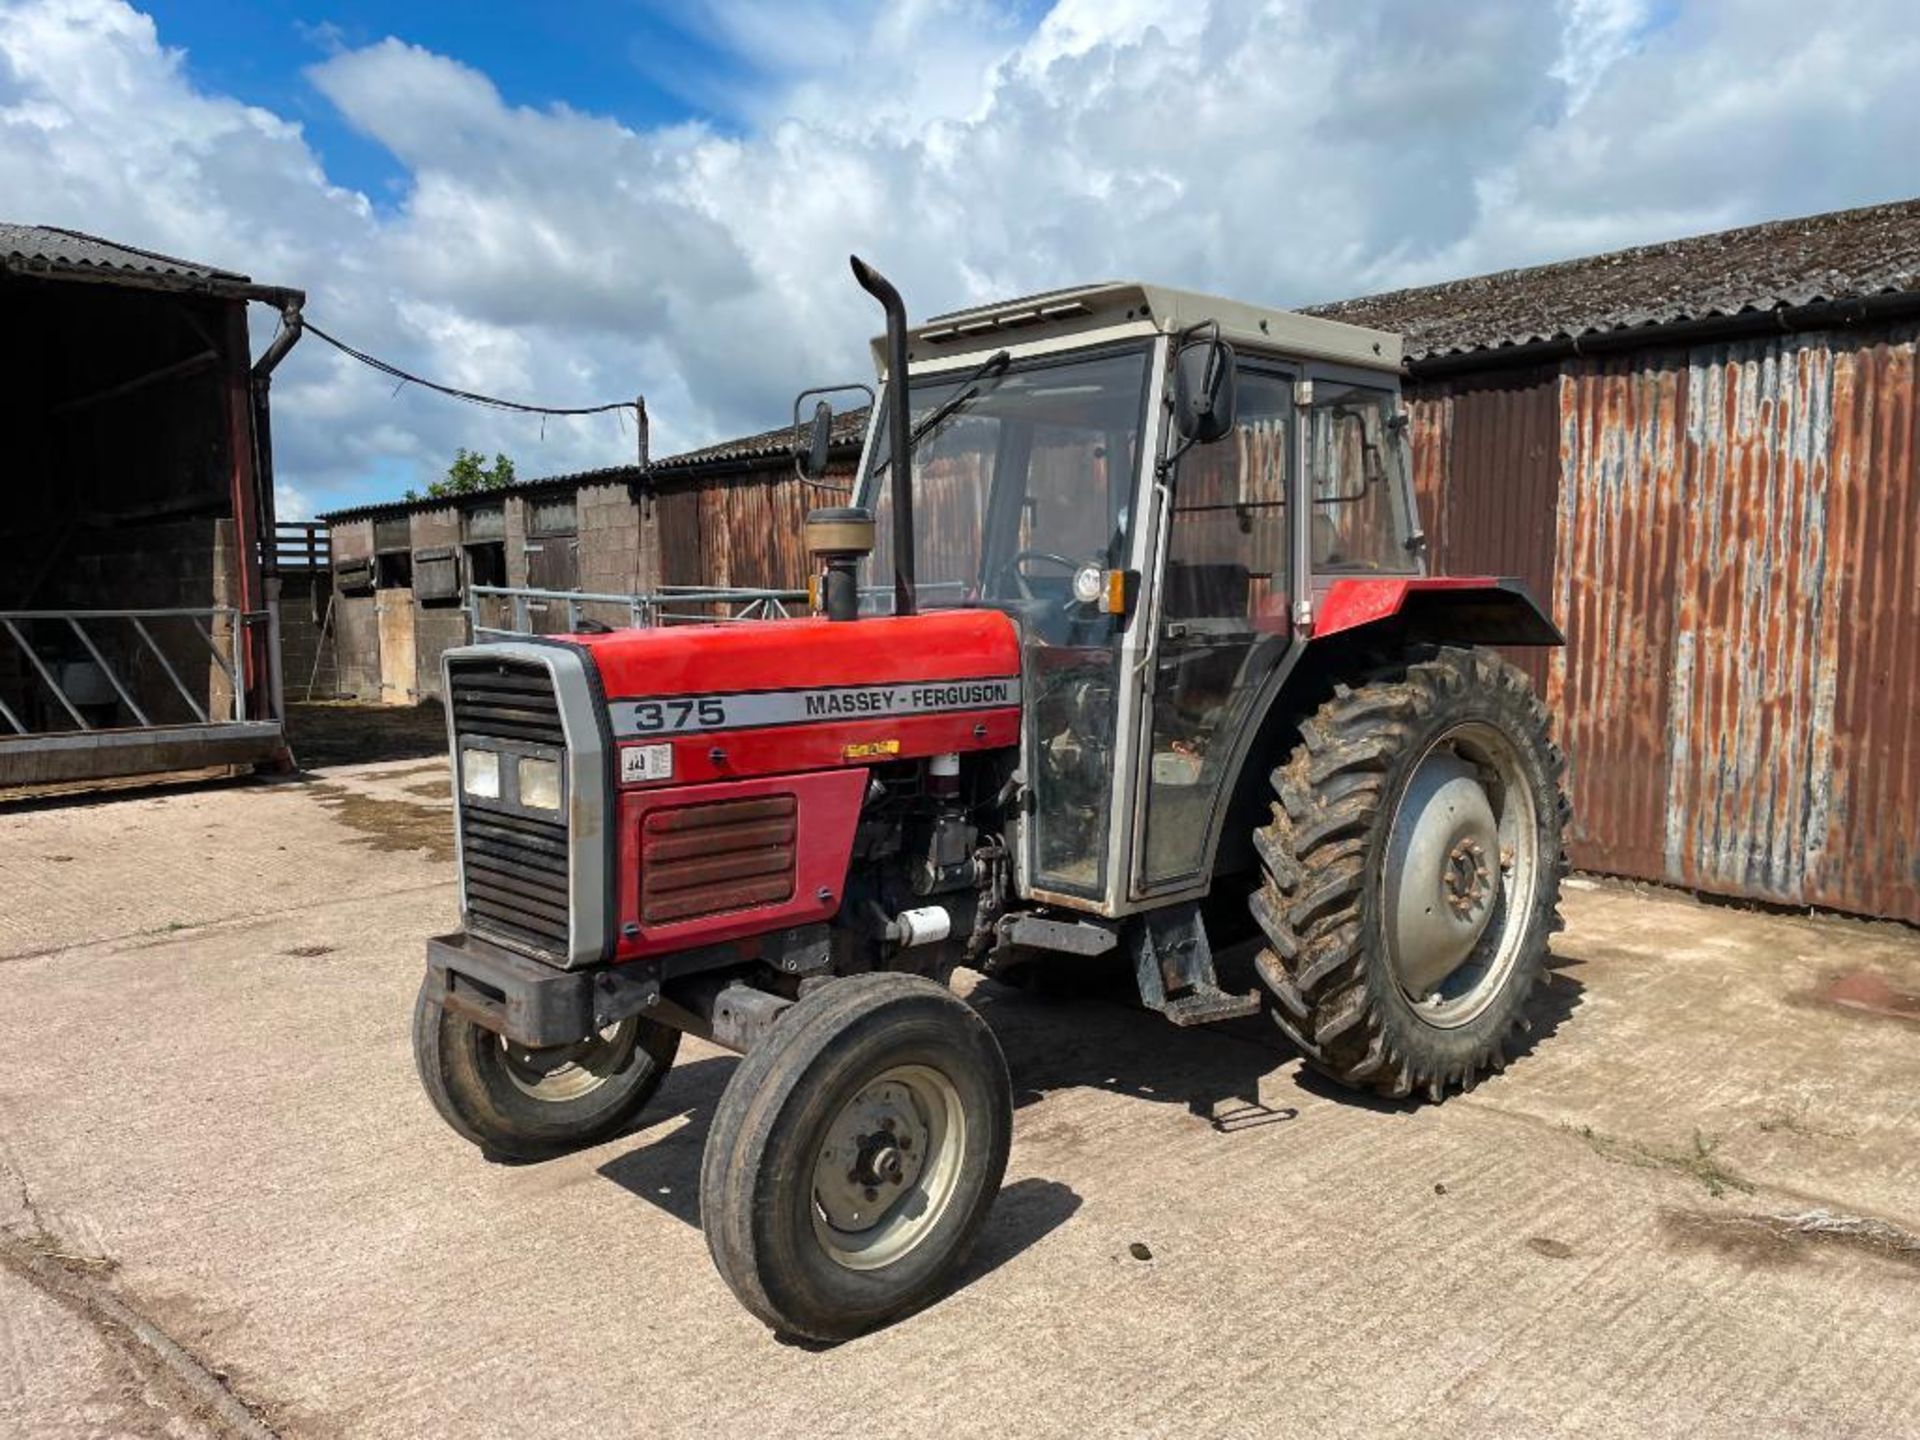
469 473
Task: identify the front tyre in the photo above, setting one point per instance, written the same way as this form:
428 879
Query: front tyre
855 1154
1412 874
519 1103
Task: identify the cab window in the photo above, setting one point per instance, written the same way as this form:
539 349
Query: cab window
1358 512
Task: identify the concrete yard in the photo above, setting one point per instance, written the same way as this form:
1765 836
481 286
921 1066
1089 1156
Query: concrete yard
228 1208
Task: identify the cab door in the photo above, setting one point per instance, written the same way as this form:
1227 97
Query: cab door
1221 624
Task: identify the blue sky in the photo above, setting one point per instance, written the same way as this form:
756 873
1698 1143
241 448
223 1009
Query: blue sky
580 202
638 63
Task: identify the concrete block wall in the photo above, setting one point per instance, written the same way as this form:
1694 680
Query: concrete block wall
304 658
609 534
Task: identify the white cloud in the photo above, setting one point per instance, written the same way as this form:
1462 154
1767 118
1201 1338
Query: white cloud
1289 151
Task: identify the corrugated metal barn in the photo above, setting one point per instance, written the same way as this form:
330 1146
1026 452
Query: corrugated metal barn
411 579
1703 454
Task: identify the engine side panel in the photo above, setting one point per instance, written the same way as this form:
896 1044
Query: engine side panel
703 864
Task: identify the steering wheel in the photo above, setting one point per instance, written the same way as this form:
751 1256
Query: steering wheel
1019 557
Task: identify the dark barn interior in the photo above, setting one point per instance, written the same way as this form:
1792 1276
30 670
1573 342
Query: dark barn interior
136 631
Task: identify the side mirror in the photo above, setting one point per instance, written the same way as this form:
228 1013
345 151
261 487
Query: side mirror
813 457
1203 391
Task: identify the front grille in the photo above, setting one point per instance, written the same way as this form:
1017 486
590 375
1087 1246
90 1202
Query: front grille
514 865
510 700
698 860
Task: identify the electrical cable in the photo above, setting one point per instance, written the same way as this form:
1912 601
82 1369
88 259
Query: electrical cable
492 402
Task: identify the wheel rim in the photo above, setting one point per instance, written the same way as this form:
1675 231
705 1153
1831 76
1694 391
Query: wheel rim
1461 859
557 1073
889 1167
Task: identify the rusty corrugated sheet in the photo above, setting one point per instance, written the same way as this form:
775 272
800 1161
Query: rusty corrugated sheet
1750 711
1487 474
1618 516
1795 770
1863 836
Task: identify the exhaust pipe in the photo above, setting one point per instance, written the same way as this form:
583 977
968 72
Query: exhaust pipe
899 429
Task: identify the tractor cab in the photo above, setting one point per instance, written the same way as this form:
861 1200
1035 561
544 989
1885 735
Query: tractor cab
1155 486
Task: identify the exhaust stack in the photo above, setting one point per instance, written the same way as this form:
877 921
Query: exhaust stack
899 430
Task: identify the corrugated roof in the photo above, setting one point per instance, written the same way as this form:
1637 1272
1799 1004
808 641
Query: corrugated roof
51 251
1843 255
849 430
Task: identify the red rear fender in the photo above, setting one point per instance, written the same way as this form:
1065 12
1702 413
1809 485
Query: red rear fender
1458 609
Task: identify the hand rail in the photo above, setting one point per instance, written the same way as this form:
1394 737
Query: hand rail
644 608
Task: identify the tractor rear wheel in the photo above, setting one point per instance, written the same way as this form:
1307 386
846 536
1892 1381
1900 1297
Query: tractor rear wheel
855 1154
519 1103
1412 874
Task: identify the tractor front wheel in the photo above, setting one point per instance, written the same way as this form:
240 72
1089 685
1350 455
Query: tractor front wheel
855 1154
1412 874
519 1103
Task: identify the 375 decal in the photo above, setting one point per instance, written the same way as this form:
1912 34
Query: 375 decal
653 717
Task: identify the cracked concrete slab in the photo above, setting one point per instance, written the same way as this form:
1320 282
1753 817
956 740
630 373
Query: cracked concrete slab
1195 1236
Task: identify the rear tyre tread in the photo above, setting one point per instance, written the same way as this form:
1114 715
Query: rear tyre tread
1321 847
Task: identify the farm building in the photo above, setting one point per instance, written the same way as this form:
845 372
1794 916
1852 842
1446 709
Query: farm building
411 579
137 598
1703 455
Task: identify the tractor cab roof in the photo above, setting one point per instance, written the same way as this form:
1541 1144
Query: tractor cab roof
1113 310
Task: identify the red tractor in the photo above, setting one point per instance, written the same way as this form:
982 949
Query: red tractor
1135 662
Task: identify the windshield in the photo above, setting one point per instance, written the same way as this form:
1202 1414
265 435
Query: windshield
1016 486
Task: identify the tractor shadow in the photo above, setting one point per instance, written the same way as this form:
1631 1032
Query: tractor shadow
1092 1032
1100 1039
1094 1038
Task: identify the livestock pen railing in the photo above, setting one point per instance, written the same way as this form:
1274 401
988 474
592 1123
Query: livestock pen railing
514 610
63 671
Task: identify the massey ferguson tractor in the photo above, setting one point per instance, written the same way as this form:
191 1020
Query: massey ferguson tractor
1123 653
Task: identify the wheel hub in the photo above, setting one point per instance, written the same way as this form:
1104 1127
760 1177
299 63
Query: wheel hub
1440 876
888 1166
1468 882
879 1163
873 1155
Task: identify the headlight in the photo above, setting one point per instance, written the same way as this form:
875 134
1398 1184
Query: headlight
1089 584
539 783
480 773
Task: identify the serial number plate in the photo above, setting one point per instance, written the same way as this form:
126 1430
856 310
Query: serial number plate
646 762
